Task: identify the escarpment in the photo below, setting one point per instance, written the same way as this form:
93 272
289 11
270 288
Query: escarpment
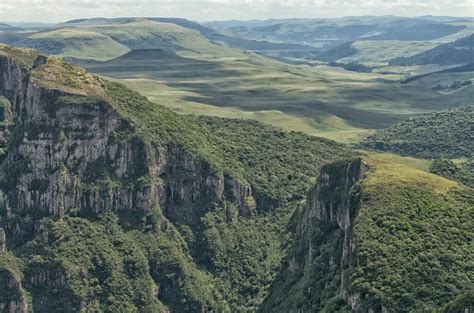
333 204
70 152
12 295
360 242
317 272
111 203
13 298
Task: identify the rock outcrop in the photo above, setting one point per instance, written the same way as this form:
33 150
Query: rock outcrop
3 240
333 202
317 267
68 158
12 297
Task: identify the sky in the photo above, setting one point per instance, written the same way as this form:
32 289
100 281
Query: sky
209 10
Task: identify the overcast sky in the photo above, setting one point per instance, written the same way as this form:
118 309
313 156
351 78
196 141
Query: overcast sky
206 10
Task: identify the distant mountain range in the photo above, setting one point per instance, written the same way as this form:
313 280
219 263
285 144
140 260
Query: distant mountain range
311 39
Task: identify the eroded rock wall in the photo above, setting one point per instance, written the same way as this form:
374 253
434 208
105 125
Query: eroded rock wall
64 158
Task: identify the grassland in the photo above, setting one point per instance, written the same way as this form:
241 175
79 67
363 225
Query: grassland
181 69
380 52
83 44
322 101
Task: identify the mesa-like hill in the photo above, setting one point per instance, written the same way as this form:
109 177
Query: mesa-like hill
112 203
447 134
109 39
382 234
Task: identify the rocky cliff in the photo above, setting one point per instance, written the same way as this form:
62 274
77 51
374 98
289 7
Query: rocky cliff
333 203
68 154
361 242
12 297
316 275
110 203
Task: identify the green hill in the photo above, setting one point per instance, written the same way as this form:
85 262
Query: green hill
107 40
324 32
378 235
445 134
457 52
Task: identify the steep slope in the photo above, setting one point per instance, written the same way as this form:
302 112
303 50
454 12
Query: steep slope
378 236
112 203
13 297
445 134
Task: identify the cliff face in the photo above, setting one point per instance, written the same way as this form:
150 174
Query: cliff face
65 158
316 276
369 239
13 299
333 202
66 152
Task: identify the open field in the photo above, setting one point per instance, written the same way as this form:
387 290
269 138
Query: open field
180 68
324 101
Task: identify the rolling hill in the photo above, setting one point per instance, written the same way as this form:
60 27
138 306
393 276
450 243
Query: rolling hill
251 83
327 32
8 28
460 51
108 40
447 134
382 43
163 57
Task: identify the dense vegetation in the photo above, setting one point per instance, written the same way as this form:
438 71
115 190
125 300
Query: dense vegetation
447 134
141 261
281 165
353 66
336 53
220 262
413 252
414 234
462 172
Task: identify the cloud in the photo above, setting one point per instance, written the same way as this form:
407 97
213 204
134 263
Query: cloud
60 10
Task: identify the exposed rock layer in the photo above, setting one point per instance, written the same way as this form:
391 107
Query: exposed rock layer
69 158
324 245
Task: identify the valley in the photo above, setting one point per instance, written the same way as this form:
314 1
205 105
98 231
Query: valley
291 165
200 76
